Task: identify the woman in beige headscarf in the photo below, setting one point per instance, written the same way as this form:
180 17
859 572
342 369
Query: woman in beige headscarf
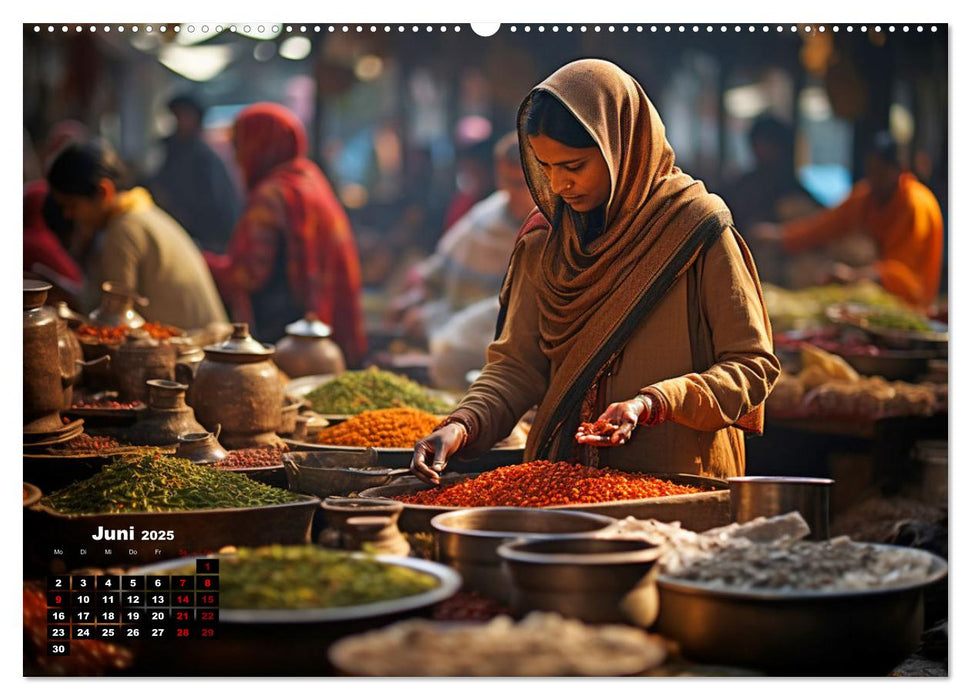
631 298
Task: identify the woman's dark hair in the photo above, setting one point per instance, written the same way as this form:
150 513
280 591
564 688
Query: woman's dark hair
547 116
81 166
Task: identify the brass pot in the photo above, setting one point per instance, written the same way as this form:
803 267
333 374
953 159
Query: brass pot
43 390
71 360
166 417
118 307
238 387
201 448
140 358
307 349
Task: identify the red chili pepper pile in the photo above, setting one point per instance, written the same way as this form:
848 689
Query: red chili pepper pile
111 335
542 483
252 458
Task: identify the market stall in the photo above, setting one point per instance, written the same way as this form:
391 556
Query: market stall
222 505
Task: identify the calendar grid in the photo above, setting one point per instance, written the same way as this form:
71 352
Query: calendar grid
119 608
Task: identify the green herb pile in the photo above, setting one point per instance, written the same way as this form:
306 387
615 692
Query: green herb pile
370 390
304 576
898 321
161 483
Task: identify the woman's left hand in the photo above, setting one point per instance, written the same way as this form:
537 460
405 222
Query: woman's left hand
625 415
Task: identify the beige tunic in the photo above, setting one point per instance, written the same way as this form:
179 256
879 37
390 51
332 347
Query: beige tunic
697 438
147 250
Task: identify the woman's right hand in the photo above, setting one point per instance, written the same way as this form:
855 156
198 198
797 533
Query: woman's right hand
432 452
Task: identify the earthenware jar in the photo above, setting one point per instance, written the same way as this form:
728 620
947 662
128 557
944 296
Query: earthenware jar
308 349
166 417
139 358
238 386
43 390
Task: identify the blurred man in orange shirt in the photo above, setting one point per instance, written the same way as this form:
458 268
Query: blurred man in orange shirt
891 206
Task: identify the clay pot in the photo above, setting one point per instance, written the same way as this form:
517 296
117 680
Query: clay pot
43 389
166 417
140 358
307 349
237 386
118 307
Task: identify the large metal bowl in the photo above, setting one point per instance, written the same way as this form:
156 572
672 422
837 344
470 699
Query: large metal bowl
285 642
697 511
594 580
854 633
467 540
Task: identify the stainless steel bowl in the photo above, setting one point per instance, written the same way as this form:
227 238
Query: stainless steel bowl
757 496
467 540
594 580
866 632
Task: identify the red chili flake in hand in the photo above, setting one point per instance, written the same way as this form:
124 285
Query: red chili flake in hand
601 428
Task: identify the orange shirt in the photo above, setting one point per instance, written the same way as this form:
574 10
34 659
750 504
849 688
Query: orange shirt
908 229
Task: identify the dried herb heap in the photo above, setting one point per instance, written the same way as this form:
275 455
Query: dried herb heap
541 483
389 427
304 576
370 390
160 483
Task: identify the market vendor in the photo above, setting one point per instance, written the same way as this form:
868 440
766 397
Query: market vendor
893 208
638 303
292 251
130 241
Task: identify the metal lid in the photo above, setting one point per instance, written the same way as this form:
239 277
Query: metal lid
309 327
241 343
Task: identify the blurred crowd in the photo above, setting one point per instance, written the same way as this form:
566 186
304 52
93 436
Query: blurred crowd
266 240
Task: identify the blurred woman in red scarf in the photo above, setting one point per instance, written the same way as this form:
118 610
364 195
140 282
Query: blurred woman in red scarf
293 250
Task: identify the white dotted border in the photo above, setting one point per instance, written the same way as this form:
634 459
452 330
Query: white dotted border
512 28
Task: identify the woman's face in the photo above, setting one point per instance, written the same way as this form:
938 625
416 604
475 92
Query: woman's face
578 175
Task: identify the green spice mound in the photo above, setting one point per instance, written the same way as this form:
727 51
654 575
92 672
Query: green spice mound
898 320
304 576
370 390
161 483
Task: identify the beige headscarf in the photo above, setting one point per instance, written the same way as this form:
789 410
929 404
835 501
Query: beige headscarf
658 220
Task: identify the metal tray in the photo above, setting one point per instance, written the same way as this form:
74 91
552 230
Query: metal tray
356 469
194 531
400 457
866 632
698 511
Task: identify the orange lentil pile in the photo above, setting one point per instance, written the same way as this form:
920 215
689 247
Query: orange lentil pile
542 483
388 427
